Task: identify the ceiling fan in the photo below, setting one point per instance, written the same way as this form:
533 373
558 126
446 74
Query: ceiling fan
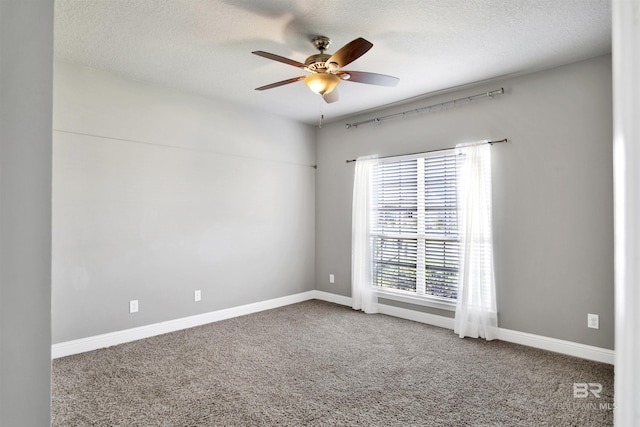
326 70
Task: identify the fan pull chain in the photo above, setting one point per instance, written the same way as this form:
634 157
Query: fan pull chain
321 113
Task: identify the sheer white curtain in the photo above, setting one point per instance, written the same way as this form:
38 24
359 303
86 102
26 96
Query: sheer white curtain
361 288
476 311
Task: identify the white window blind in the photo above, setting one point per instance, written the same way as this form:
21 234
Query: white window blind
414 230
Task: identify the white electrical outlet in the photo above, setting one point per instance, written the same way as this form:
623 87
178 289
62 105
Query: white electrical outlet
197 295
332 278
593 321
133 306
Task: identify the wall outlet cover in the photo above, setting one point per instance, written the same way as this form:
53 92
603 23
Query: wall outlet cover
593 321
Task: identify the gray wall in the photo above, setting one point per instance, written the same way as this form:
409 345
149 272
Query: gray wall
26 67
158 193
553 203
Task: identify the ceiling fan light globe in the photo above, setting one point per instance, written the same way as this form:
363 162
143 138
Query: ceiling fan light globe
322 83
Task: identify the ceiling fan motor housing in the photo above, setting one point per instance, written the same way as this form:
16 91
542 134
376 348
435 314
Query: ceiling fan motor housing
317 63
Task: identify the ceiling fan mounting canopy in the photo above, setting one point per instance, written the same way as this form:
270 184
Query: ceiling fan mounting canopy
321 42
326 70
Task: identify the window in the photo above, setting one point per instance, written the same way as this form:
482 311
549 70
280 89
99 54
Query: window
414 230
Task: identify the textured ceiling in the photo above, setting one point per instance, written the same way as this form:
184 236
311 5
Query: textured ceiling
204 46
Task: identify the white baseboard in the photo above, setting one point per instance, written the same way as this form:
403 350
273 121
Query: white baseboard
329 297
536 341
558 346
120 337
555 345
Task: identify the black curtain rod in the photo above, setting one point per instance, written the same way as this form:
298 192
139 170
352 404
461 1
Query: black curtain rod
433 151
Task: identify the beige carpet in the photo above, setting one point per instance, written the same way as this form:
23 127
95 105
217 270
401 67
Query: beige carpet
317 363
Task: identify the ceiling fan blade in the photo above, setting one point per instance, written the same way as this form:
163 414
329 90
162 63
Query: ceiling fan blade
279 58
282 83
368 78
350 52
331 96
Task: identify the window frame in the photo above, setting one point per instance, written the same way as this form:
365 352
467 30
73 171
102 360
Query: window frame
400 295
